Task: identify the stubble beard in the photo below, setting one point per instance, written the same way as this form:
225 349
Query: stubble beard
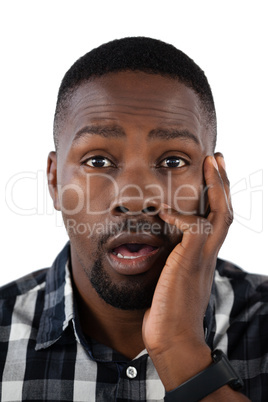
133 295
134 292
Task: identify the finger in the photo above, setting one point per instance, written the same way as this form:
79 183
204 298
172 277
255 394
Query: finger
222 169
220 214
194 229
216 190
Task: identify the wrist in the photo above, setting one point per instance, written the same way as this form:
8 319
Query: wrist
206 382
178 364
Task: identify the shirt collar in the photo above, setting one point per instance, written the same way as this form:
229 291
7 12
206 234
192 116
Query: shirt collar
58 311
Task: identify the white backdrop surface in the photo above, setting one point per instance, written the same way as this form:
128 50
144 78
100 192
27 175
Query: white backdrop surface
40 41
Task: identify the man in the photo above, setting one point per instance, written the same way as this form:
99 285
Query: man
133 308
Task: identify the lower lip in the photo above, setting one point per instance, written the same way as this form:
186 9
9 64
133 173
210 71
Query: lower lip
134 266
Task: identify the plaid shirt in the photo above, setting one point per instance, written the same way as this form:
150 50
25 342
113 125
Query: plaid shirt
45 357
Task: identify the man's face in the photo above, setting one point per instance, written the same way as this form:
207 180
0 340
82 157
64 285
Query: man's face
130 142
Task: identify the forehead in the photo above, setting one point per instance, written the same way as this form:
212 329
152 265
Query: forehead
133 98
131 88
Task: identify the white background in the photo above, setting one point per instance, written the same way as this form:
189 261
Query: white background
39 42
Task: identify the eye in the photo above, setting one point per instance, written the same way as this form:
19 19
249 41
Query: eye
99 162
173 162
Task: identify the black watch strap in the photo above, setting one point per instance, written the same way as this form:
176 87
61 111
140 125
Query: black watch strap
219 373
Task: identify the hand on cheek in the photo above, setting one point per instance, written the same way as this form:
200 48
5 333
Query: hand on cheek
173 326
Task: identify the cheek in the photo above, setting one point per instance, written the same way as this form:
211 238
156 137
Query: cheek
88 195
85 204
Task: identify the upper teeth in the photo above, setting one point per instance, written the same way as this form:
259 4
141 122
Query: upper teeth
127 257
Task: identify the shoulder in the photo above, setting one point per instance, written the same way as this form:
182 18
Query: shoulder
30 291
243 284
33 281
241 307
244 293
20 297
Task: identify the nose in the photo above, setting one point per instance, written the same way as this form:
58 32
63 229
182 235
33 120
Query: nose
122 209
136 200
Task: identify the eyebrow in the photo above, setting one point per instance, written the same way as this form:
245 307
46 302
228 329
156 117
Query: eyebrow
172 133
115 131
103 131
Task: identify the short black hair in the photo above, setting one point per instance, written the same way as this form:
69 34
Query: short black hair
137 54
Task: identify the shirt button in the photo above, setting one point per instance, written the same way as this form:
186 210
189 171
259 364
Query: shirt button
131 372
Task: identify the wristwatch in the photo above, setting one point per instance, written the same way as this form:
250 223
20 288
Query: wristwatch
219 373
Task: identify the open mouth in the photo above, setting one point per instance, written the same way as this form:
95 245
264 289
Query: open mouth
131 251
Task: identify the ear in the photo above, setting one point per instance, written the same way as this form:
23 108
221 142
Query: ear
52 179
